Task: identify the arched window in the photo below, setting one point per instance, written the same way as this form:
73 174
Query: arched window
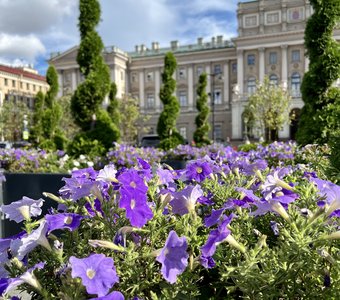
296 84
273 80
251 85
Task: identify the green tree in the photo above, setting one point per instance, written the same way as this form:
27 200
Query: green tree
131 121
86 103
202 126
12 116
270 108
52 136
113 108
324 68
166 127
36 130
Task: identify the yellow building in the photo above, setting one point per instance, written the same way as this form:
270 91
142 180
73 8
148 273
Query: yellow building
21 84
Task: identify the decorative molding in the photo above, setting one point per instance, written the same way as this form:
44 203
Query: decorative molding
272 17
250 21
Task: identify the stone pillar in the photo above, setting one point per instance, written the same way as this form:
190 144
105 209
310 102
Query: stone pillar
226 83
284 67
207 70
191 93
262 64
306 64
141 89
157 88
60 83
74 80
240 76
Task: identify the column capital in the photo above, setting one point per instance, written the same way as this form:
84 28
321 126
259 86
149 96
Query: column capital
239 51
261 49
284 46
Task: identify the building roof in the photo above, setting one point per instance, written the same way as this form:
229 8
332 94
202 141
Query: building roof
22 72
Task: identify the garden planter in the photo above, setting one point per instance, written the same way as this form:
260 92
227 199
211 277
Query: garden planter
30 185
176 164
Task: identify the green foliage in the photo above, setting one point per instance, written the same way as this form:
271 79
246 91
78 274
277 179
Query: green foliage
247 147
36 130
202 126
12 116
113 108
166 127
269 107
82 143
87 99
131 121
324 70
67 123
48 114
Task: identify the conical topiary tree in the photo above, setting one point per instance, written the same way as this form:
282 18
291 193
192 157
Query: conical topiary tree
166 127
324 69
201 137
98 131
113 108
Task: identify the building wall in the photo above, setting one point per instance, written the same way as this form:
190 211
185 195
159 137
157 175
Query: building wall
270 42
22 84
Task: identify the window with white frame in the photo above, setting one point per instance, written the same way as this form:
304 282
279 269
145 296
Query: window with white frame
181 73
295 84
234 68
273 58
273 80
199 70
183 132
217 69
149 76
251 85
217 96
295 55
150 101
183 101
251 59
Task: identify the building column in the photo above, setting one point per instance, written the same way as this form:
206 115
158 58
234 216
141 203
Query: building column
226 83
141 90
262 64
284 67
190 87
60 83
207 70
157 88
306 63
240 76
74 80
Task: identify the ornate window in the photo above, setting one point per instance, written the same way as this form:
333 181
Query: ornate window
251 85
273 80
273 58
295 84
251 59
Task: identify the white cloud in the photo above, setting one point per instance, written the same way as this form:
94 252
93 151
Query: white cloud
20 47
46 26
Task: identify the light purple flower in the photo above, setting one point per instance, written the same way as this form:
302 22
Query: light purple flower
173 257
107 174
198 170
136 206
23 209
29 242
207 262
97 272
131 181
185 200
214 217
68 221
216 237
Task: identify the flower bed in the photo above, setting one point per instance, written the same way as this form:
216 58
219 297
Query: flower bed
231 225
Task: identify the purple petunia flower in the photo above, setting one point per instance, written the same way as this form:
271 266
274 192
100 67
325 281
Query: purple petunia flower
68 221
173 257
207 262
23 209
97 272
198 170
214 217
165 176
184 201
107 174
216 237
131 181
136 206
112 296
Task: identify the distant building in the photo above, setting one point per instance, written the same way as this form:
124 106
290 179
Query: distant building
270 42
20 84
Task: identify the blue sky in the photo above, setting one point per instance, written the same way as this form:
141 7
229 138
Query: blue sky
30 30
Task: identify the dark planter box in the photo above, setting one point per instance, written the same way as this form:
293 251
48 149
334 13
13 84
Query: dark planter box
30 185
176 164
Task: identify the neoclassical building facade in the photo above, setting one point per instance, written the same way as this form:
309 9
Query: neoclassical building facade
270 42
